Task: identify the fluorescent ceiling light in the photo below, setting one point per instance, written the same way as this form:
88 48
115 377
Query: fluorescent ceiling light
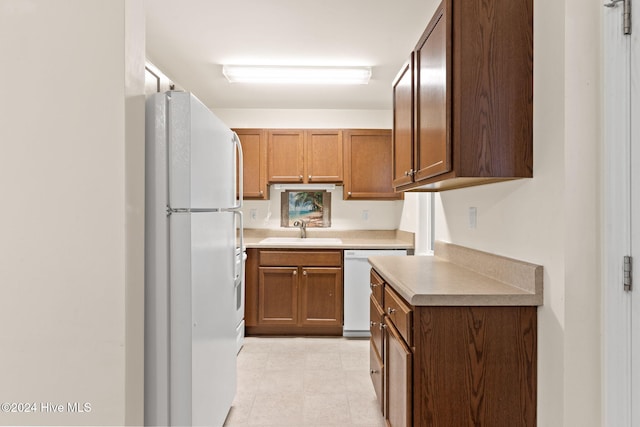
296 75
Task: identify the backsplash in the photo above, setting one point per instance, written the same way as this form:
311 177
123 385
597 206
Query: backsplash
345 215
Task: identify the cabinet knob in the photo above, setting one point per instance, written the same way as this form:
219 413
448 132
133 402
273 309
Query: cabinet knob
349 193
372 285
382 326
372 323
261 192
309 177
390 310
304 272
295 272
300 177
373 371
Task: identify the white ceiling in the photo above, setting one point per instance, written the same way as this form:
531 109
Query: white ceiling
189 40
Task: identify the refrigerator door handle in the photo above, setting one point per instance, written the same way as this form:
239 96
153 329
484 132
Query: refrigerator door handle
240 278
239 172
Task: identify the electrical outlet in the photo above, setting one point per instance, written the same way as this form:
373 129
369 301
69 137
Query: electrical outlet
253 213
365 215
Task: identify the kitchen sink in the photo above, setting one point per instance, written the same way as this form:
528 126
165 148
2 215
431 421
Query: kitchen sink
308 241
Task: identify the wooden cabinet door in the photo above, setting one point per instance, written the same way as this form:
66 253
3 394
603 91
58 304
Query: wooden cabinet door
376 372
403 125
368 171
398 370
376 320
323 156
321 296
278 296
376 316
254 150
252 279
432 155
285 156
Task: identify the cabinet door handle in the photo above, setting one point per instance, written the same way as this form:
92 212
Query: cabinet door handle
382 326
373 371
372 323
295 272
300 177
390 310
304 272
309 177
373 285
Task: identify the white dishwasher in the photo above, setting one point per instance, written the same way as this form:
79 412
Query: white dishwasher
357 290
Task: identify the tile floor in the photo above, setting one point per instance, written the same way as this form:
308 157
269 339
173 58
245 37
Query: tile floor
304 382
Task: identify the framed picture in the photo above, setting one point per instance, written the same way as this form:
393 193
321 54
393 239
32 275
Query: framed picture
312 207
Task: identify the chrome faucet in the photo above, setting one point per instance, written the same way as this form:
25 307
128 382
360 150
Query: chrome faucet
303 227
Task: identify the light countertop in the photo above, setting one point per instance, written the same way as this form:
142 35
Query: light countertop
351 239
458 276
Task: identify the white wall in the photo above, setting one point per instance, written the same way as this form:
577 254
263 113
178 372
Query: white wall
345 215
71 209
554 218
306 119
134 85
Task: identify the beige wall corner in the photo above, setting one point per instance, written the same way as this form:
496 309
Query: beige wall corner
70 247
134 212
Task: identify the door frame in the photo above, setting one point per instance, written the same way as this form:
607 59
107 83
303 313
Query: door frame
617 308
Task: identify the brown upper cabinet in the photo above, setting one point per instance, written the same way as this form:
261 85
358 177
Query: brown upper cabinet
367 159
403 126
285 155
254 150
433 77
463 103
305 156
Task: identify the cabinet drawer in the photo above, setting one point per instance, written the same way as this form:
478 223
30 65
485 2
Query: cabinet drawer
377 287
375 328
377 376
399 313
306 258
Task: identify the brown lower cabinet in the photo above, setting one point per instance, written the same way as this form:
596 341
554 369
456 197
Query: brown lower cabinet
294 292
398 357
377 340
455 365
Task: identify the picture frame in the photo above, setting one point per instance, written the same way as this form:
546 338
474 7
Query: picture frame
312 207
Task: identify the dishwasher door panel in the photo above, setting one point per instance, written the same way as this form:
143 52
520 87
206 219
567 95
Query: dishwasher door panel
357 290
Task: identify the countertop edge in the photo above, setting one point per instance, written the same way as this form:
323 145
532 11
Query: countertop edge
351 239
343 246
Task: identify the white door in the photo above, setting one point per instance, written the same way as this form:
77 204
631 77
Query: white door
621 342
635 221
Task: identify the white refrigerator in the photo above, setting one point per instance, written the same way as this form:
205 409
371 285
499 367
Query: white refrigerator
192 235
